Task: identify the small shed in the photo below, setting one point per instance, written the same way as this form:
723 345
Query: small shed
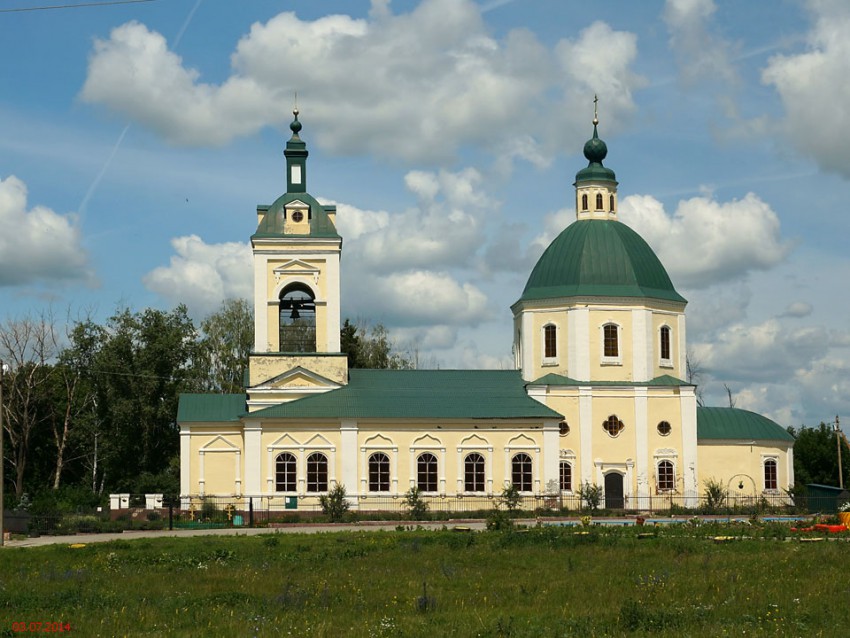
826 498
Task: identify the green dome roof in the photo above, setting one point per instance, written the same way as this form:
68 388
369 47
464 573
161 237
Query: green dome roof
599 258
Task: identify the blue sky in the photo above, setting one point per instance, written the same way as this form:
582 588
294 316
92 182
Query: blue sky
138 139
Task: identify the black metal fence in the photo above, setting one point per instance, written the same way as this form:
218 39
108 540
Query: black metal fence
200 512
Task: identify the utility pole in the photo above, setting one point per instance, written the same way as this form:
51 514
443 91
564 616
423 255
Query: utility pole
2 458
838 443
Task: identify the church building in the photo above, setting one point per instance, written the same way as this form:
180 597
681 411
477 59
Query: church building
598 396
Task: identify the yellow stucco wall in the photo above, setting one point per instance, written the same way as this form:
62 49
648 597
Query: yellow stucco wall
733 463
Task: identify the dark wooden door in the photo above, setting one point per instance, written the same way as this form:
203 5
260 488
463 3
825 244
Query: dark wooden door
614 491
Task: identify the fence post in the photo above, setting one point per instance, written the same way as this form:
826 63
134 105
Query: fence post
170 516
250 511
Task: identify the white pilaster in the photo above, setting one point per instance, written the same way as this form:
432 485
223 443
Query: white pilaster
689 445
642 442
261 303
585 416
642 345
332 295
682 348
528 353
551 455
578 336
348 454
253 457
790 460
185 461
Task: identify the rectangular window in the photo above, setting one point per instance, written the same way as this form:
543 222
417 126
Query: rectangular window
771 479
566 477
665 343
296 174
611 344
550 345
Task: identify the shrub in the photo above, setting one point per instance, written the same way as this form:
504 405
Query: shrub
334 504
208 510
591 495
417 508
715 494
498 521
510 497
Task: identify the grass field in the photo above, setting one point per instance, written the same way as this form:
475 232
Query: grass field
545 581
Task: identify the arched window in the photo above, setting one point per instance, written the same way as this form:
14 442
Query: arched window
473 473
665 343
598 201
317 472
611 341
285 473
521 472
584 202
566 477
379 472
611 203
666 476
550 342
297 319
426 472
771 479
612 425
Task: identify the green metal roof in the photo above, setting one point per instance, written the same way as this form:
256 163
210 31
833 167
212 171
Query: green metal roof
272 222
210 408
664 381
733 423
420 394
599 257
595 150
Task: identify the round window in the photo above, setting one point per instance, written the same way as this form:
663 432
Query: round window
297 216
664 428
563 428
613 426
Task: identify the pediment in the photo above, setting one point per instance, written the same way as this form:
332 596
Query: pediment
219 444
426 440
295 266
317 440
378 440
298 377
286 440
296 203
522 440
474 440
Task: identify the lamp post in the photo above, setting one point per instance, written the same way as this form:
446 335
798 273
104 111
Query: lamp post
838 443
3 368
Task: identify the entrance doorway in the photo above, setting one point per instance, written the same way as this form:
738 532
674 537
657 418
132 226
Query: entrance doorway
614 491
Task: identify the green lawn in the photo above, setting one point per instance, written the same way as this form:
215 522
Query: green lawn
541 582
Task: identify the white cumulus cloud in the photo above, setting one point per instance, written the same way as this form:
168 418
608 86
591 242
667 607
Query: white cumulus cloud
702 55
705 241
814 90
390 84
37 244
203 275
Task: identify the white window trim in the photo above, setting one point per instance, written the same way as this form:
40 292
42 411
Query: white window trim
611 361
568 457
662 362
764 459
672 456
550 361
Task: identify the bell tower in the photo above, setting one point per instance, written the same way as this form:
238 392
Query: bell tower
297 253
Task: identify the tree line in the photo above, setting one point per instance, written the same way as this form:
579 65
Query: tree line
89 408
